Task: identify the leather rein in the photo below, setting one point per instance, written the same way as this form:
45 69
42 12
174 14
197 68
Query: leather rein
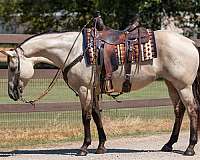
63 68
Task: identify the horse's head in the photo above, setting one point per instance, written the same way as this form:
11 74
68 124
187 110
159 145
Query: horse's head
20 70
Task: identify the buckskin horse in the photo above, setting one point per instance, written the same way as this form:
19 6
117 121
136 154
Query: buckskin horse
177 63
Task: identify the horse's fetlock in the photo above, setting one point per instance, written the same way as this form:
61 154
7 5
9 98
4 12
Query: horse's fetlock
87 141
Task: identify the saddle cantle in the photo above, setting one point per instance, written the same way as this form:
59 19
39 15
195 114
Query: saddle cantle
118 47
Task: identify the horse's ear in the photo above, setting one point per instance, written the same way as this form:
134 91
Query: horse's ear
9 53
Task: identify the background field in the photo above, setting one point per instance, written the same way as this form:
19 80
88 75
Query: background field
62 93
39 128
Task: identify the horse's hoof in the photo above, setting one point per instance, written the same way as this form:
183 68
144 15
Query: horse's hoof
101 150
189 152
166 148
82 153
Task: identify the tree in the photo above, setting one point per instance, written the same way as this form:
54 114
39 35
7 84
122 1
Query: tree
58 15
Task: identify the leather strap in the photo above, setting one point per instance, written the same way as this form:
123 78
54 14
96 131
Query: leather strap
66 70
126 86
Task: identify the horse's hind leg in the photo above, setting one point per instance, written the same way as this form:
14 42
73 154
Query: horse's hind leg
97 119
189 102
179 110
85 99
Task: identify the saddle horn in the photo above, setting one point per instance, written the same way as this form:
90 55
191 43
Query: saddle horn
98 21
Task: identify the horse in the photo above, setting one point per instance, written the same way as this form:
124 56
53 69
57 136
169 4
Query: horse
177 63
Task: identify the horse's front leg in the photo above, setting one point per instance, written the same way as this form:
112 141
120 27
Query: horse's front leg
85 99
98 121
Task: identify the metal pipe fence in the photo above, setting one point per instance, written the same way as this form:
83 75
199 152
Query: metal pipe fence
62 108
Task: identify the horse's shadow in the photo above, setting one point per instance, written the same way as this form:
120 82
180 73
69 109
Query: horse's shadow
75 151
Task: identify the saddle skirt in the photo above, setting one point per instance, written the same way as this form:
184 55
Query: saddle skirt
126 50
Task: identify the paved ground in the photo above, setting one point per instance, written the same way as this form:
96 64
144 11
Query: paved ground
143 148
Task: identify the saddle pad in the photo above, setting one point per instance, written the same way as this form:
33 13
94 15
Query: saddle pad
125 52
88 46
129 52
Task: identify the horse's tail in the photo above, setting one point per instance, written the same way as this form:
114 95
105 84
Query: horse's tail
196 92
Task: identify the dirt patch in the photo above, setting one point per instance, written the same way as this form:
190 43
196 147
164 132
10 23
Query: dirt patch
55 132
142 148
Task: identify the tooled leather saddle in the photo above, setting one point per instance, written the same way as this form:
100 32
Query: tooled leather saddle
110 42
110 38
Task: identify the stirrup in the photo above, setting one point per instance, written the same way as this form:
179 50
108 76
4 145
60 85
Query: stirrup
109 86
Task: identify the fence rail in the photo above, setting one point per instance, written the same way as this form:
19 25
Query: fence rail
65 106
13 38
75 106
69 106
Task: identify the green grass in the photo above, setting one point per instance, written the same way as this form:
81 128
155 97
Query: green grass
144 113
36 87
41 119
62 93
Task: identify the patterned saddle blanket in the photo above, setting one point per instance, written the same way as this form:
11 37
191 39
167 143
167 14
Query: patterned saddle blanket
126 51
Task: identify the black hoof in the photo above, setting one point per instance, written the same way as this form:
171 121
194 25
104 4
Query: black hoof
82 153
189 152
166 148
101 150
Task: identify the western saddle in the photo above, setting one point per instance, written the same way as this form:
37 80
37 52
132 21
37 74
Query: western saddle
109 38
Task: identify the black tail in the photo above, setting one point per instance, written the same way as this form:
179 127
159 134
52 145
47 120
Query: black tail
196 92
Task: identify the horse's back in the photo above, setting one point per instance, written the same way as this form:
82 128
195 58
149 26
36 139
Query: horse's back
172 36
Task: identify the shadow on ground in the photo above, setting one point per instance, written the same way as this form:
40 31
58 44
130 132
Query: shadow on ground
75 151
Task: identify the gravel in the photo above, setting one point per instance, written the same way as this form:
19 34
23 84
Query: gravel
142 148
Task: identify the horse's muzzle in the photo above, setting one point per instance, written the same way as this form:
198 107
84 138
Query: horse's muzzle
15 93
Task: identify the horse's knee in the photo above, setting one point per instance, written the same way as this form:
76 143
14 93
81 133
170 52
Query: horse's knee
86 117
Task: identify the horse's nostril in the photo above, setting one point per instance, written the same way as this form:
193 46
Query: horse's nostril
20 89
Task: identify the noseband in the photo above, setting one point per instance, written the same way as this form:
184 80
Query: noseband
17 73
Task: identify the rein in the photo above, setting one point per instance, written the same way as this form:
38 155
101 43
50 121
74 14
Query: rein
54 80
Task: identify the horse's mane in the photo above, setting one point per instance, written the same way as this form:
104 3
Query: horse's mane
36 35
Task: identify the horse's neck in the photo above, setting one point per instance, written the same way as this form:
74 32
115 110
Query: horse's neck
36 60
53 48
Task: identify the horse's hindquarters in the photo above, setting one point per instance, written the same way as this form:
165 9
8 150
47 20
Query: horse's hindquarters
178 58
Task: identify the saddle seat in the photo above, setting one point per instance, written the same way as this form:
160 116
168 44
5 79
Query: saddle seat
115 37
111 36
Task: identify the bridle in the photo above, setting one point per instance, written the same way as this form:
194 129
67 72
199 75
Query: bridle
17 73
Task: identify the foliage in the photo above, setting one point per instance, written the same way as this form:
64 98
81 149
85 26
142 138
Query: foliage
58 15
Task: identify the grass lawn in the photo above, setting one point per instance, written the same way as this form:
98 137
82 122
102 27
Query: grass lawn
27 129
41 119
62 93
21 129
